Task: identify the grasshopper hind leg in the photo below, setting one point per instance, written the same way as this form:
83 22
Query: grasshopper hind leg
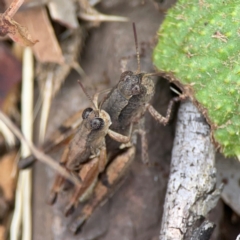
115 173
59 180
89 175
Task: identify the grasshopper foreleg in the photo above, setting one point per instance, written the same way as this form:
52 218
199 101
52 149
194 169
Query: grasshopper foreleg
157 116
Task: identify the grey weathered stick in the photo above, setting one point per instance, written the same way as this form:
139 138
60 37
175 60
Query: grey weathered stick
191 190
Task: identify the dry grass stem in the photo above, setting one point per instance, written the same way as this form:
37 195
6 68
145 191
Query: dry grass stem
46 105
101 17
16 220
27 129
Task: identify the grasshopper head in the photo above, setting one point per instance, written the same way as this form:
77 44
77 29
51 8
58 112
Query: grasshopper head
130 84
97 120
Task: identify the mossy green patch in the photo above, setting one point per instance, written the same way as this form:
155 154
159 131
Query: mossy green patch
199 43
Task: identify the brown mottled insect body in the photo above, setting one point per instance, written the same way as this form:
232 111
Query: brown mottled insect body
127 103
89 139
117 100
86 144
136 106
85 157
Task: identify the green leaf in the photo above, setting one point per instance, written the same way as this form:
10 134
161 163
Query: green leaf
199 44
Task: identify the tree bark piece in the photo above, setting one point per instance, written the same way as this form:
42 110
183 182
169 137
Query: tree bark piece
191 190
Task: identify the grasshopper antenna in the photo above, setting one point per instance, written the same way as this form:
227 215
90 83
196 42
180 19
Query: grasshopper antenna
155 74
136 46
104 99
89 98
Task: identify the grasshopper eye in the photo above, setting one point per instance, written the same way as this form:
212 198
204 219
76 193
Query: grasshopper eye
126 76
86 112
97 123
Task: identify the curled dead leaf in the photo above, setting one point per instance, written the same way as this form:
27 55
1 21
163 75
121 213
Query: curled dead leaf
17 32
13 29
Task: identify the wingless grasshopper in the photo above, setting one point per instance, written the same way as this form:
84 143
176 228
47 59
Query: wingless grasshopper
129 100
126 104
85 156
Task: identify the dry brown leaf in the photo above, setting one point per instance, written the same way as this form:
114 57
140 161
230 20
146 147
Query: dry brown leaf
13 29
17 32
7 180
38 24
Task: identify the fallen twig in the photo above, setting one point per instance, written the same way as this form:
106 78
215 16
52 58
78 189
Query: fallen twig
191 192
